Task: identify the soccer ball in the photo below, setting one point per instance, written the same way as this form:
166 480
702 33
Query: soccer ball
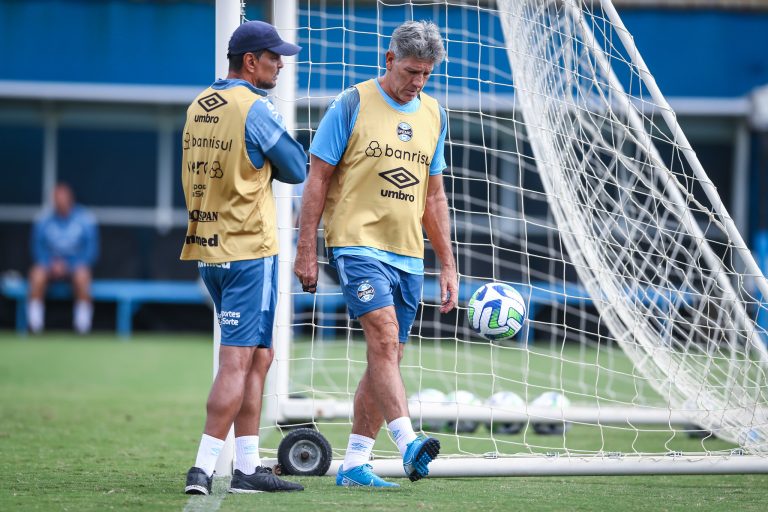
557 402
427 396
496 311
467 398
505 400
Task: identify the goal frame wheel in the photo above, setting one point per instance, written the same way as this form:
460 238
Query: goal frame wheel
304 452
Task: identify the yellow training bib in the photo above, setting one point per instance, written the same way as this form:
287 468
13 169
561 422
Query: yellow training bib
229 202
378 191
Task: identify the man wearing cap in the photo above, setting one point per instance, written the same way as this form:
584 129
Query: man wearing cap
234 145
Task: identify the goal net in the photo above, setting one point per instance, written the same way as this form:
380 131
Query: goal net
568 178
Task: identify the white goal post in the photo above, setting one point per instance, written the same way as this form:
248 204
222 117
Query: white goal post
570 179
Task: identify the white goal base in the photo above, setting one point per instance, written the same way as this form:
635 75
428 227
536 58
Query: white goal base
616 465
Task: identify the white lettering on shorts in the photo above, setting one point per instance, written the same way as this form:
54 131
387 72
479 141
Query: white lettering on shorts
229 318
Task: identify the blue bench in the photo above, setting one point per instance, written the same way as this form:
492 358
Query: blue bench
128 294
131 294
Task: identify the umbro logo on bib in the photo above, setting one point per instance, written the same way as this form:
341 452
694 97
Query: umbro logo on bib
400 177
211 102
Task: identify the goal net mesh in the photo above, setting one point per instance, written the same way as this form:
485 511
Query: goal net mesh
566 180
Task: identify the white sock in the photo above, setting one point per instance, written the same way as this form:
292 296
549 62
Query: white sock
83 316
208 453
247 454
402 431
35 315
358 452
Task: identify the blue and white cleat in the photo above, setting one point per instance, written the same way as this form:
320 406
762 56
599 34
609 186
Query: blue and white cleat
419 453
361 476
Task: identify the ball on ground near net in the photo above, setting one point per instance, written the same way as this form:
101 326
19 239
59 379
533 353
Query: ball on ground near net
556 402
425 398
467 398
505 401
496 311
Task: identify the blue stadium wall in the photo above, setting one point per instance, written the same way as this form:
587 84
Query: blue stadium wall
700 53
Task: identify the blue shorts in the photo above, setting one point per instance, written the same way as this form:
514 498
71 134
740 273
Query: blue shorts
245 296
72 263
369 284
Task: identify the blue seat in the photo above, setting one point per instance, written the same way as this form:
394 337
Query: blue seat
128 294
131 294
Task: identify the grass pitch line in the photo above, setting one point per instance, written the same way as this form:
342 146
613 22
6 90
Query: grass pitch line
209 503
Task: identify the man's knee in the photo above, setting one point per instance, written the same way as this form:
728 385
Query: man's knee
383 341
81 272
380 322
235 360
262 359
388 329
81 276
38 279
38 273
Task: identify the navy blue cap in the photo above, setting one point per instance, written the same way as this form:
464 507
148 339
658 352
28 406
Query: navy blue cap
253 36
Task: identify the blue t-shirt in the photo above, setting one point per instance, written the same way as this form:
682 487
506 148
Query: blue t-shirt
330 143
266 137
74 238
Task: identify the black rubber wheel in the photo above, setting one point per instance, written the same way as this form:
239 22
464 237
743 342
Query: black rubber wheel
304 452
509 429
551 429
697 432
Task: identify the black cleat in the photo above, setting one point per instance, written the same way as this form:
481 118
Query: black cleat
198 482
262 480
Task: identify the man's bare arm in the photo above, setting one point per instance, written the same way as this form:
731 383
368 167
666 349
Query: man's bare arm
312 205
438 227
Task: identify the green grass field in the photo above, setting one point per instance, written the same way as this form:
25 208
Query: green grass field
98 424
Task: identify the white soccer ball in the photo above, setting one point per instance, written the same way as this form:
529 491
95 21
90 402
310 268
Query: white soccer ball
505 400
496 311
556 402
427 397
462 397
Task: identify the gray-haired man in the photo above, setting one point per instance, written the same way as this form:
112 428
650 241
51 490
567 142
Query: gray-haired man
376 177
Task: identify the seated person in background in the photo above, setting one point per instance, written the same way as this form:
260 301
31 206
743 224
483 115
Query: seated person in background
64 245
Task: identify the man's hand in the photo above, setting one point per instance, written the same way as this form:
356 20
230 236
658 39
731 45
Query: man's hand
449 289
305 268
